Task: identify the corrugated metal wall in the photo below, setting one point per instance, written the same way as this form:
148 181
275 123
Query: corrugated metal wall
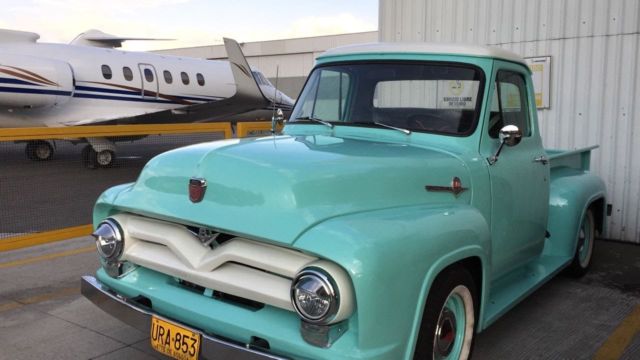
595 76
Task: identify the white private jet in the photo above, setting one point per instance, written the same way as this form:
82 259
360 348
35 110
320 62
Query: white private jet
89 82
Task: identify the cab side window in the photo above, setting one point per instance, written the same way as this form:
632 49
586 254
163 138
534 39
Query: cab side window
509 104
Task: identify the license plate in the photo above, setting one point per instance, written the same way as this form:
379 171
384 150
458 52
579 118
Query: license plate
173 340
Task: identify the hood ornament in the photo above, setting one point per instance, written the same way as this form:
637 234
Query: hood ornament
456 187
197 188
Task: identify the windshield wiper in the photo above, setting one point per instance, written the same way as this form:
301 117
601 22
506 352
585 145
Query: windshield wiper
404 131
315 119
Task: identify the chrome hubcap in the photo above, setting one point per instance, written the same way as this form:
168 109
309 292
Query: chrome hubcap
445 332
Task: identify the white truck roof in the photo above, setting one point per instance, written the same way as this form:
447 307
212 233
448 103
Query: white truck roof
426 48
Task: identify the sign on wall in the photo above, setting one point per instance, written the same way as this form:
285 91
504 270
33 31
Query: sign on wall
541 75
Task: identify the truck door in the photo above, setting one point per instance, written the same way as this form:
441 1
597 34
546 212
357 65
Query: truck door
149 81
519 180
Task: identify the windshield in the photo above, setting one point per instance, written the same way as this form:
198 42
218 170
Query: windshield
428 97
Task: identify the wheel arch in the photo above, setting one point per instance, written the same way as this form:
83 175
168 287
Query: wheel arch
572 194
472 259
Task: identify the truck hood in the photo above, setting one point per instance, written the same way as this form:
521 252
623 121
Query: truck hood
277 187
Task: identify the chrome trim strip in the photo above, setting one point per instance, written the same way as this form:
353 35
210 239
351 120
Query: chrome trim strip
140 318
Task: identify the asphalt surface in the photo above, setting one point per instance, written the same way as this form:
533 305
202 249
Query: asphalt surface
47 195
43 316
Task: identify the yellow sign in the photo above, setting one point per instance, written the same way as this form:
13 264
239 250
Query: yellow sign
541 76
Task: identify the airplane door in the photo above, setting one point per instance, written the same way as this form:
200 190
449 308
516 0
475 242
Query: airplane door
149 81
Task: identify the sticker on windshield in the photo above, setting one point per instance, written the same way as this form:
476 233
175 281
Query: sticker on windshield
457 94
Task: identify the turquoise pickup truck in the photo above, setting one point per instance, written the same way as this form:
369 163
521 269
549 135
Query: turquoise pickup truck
407 205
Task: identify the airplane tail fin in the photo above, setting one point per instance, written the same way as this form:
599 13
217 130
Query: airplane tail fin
246 84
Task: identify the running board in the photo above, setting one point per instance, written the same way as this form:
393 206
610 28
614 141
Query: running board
512 288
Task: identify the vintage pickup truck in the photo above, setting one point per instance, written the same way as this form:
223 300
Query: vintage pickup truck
407 205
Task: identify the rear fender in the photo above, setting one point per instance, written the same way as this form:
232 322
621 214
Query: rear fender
571 194
392 257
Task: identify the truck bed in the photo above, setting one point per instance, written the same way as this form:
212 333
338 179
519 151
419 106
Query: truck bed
579 159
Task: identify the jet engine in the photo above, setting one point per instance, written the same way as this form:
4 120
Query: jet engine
32 82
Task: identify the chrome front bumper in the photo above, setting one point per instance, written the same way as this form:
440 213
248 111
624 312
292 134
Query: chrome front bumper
140 318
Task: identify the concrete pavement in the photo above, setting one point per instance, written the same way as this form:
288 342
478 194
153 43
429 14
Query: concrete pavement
43 315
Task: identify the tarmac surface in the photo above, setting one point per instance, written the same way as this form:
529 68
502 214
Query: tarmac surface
43 315
31 191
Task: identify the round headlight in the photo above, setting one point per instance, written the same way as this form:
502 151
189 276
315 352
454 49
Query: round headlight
315 296
109 239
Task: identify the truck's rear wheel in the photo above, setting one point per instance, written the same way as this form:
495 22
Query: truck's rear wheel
448 321
584 248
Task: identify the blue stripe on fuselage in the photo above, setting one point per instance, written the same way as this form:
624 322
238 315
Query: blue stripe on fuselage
33 91
17 81
17 90
137 93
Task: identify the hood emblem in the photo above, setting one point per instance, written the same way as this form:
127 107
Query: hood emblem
197 188
456 187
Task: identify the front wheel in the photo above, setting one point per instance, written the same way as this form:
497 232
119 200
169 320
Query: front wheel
584 248
448 321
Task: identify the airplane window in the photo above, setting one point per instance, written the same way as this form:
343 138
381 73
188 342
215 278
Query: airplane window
148 75
167 77
200 79
106 72
185 78
128 74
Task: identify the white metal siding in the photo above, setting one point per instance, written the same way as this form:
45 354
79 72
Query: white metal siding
595 47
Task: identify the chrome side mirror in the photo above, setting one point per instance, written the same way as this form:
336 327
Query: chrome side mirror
509 135
277 120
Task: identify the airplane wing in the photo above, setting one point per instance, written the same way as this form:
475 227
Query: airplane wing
98 38
248 97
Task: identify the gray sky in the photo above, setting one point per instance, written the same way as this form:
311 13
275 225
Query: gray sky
190 22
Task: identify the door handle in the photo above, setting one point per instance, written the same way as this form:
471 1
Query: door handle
541 159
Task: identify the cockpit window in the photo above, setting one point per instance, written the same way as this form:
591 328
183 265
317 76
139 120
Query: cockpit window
425 97
106 72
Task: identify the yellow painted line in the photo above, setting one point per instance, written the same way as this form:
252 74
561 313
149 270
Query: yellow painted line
36 299
22 241
71 132
620 338
9 306
244 128
49 296
46 257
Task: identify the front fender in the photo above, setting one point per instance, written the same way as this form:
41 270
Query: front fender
571 193
392 257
